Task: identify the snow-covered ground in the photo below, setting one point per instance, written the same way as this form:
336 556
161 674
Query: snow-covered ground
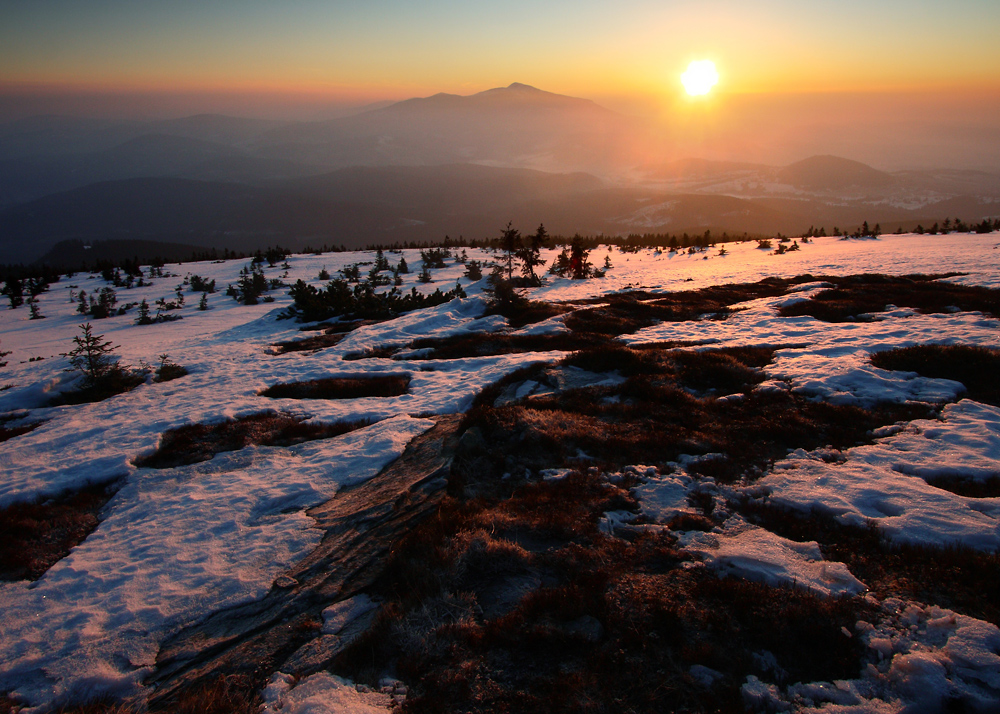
176 544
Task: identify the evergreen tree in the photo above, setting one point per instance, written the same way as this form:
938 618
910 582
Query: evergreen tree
501 292
474 270
93 355
14 290
203 303
403 267
531 254
561 265
143 318
510 244
580 268
351 273
105 303
36 314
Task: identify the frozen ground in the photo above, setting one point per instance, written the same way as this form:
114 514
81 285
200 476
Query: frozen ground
177 544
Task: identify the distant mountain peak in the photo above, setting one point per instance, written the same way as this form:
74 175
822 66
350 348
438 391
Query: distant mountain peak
517 86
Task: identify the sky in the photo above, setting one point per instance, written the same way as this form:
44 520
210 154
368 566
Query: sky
310 56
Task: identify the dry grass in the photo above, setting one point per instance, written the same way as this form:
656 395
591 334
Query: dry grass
383 385
385 352
9 432
968 487
486 344
234 694
36 535
528 312
610 625
856 295
668 406
310 344
625 313
978 368
961 579
512 599
200 442
117 381
330 335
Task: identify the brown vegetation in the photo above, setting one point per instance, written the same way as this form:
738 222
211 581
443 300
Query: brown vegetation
310 344
488 344
667 406
383 385
36 535
961 579
330 335
200 442
234 694
384 352
522 604
9 432
115 382
978 368
855 296
527 312
966 485
513 599
625 313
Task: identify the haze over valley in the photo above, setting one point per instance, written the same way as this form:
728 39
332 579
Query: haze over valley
420 169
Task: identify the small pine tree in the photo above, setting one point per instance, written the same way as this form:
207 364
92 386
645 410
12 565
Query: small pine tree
403 267
203 303
561 265
143 318
93 355
83 308
474 270
502 295
14 290
324 274
607 262
580 267
425 274
35 313
510 244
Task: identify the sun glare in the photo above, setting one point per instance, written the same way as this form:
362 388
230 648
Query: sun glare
700 77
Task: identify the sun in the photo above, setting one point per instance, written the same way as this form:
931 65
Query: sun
700 77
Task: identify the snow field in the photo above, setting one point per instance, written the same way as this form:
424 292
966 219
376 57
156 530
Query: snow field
177 544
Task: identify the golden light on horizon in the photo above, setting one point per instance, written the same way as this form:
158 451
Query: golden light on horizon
700 77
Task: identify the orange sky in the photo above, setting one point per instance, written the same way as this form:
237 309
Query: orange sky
631 51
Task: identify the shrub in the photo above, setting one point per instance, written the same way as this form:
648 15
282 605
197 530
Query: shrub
167 371
338 299
474 270
201 285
